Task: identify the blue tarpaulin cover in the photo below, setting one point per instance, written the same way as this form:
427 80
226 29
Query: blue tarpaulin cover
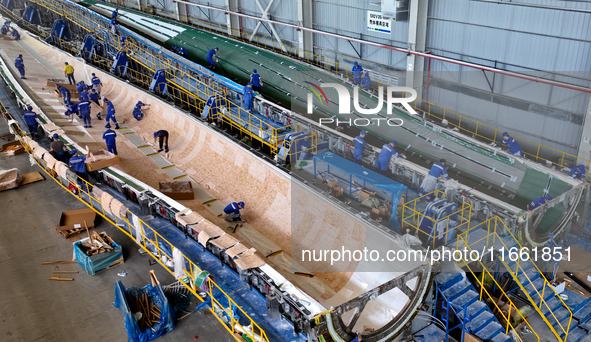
98 262
157 297
356 177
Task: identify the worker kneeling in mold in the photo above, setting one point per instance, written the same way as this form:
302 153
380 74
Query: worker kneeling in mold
232 212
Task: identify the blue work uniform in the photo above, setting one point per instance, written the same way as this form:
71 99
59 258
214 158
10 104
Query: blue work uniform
137 112
357 70
578 172
78 163
513 146
248 94
80 88
366 82
84 95
71 109
65 94
4 29
84 110
210 56
96 84
20 65
114 14
358 151
16 35
31 120
109 137
384 158
437 170
94 97
256 82
536 203
232 208
110 115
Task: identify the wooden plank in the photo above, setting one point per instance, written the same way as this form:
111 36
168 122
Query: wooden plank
59 262
60 279
31 177
65 272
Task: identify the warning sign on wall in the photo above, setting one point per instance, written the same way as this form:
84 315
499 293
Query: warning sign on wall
376 22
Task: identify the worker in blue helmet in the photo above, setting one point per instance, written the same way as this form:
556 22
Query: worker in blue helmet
359 145
80 87
78 163
109 137
429 184
538 202
94 97
138 110
110 114
366 81
385 154
256 80
31 120
578 172
512 144
357 70
248 94
232 212
65 94
96 83
84 111
57 148
20 65
211 57
15 34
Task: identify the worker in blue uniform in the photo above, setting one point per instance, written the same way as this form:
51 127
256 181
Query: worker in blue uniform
31 120
94 97
578 172
84 110
96 84
162 136
437 171
357 70
538 202
366 81
65 94
58 149
256 80
138 110
109 137
359 144
20 65
512 144
15 34
248 94
71 109
78 163
232 212
84 95
385 154
110 114
113 23
122 40
180 50
80 87
211 56
5 27
115 14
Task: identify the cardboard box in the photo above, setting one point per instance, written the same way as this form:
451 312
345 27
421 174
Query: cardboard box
74 219
364 194
103 159
16 148
180 190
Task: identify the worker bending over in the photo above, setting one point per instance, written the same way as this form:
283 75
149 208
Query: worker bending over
538 202
211 56
162 137
138 110
65 94
232 212
359 144
512 144
20 65
385 154
578 172
109 137
256 80
430 182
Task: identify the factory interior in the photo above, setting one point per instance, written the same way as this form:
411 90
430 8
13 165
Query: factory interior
295 170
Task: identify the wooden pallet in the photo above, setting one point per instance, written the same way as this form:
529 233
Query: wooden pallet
70 232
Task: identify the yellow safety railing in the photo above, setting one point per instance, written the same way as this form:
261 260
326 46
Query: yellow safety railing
412 216
466 125
153 246
494 228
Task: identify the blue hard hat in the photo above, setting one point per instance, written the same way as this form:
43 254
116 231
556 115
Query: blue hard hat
92 74
249 84
505 134
140 103
241 204
80 98
393 142
354 63
92 90
217 48
105 99
30 107
254 70
155 134
548 198
73 152
55 136
362 133
66 63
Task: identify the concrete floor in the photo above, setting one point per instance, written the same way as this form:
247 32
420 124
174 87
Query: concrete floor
33 308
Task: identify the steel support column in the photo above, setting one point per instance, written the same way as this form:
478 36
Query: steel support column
232 21
305 38
417 36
